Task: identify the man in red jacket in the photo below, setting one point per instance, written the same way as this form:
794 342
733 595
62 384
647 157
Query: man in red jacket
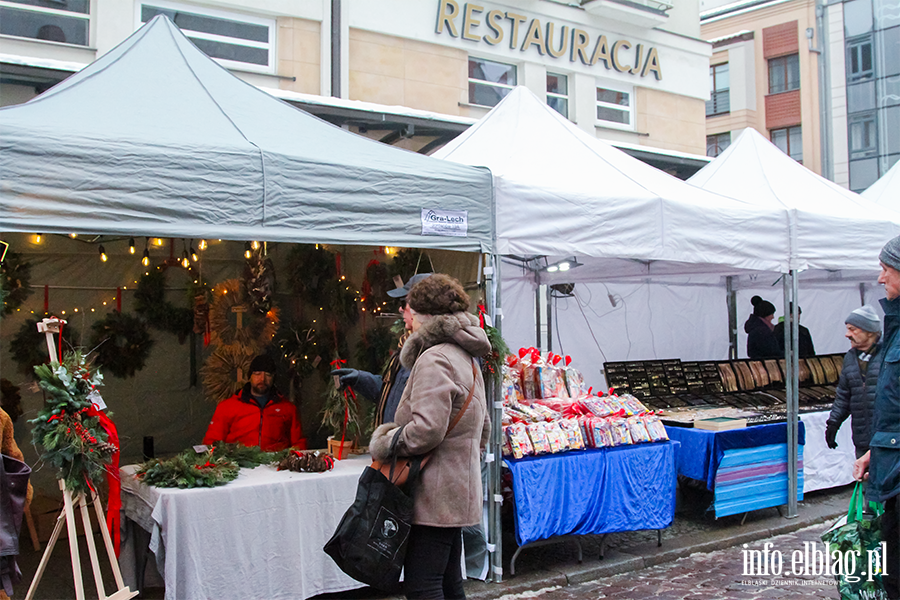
257 415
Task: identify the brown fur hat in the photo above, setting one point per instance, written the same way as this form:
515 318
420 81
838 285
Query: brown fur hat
438 295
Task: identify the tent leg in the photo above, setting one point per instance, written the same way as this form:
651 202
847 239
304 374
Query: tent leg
731 299
495 539
792 381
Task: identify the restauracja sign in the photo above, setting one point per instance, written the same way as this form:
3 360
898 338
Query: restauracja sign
470 23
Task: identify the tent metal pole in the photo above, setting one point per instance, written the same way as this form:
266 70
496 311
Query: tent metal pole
862 294
731 300
793 409
791 380
549 301
494 454
537 312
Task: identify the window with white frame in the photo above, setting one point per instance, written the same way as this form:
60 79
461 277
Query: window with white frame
615 107
236 41
489 81
51 20
558 93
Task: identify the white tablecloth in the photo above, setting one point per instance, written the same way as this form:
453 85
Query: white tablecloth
823 467
260 536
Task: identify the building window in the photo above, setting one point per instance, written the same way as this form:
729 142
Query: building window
719 102
67 22
489 81
863 135
784 74
558 93
790 141
716 144
614 108
859 60
235 41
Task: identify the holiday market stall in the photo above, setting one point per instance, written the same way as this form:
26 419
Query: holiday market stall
156 140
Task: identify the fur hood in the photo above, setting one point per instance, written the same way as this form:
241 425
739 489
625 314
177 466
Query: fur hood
460 328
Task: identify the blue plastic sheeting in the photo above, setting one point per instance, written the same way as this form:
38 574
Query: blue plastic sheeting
753 478
594 491
701 451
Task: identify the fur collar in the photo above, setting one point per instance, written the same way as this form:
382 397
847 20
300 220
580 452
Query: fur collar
459 328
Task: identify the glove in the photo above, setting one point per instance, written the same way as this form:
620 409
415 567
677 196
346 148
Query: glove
348 377
830 434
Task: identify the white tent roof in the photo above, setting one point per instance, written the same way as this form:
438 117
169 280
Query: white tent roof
834 228
154 138
886 191
560 191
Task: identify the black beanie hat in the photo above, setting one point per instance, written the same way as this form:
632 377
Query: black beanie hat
762 308
263 362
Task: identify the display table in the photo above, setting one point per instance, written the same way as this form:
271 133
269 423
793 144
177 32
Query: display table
594 491
745 468
260 536
823 467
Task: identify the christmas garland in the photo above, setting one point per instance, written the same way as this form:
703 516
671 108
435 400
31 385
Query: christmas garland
257 330
216 466
150 302
220 372
122 344
15 279
68 427
28 348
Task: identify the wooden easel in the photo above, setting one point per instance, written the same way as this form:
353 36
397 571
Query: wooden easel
67 516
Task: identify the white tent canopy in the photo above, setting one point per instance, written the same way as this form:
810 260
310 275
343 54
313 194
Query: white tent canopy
832 228
561 192
886 191
154 138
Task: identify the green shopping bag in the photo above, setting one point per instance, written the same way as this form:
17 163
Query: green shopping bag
858 533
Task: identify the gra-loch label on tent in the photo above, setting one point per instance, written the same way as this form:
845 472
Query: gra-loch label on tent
445 222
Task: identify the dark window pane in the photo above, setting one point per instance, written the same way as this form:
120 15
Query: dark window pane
716 144
889 50
205 24
557 84
795 138
859 54
256 56
776 75
41 26
486 95
793 72
857 17
78 6
612 97
494 72
865 58
560 105
863 173
861 97
613 115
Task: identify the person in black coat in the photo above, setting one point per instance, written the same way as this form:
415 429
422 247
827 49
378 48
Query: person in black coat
761 342
805 343
855 396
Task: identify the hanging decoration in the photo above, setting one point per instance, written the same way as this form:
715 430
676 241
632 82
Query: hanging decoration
299 349
201 316
231 321
410 261
150 303
225 371
259 277
10 399
374 289
121 344
28 349
310 268
15 282
68 427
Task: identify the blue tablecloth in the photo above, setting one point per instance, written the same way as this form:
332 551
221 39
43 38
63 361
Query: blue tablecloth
594 491
701 451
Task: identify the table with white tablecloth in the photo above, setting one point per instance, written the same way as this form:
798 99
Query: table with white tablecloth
260 536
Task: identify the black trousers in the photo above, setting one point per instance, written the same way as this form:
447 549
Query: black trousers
890 533
432 567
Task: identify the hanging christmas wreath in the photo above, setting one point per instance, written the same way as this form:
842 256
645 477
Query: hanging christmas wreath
226 370
232 323
122 344
15 280
297 344
310 268
150 302
28 348
408 262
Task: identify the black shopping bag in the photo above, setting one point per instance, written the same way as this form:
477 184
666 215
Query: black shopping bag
858 533
370 542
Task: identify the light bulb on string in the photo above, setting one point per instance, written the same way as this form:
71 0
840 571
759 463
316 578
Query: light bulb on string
38 237
146 259
131 246
73 235
248 252
194 256
254 244
185 260
103 256
202 245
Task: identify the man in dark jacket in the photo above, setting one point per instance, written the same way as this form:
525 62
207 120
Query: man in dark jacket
804 339
882 462
257 415
859 380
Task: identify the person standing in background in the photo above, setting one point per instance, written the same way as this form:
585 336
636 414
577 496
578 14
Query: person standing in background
761 342
805 343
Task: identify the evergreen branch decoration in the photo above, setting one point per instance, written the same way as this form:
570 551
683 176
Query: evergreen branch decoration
409 262
309 269
150 302
122 344
373 350
217 466
492 361
28 348
15 282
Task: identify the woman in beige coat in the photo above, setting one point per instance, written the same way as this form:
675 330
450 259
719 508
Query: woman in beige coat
441 352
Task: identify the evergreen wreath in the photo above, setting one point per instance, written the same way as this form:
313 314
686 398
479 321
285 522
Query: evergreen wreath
15 282
121 344
150 302
216 466
220 372
297 345
74 442
410 261
28 348
257 330
310 268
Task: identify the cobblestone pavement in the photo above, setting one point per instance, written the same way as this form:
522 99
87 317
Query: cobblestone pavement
716 575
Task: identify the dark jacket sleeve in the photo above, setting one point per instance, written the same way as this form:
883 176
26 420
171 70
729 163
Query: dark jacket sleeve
840 410
369 385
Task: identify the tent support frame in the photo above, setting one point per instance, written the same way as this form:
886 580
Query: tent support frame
792 383
494 454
